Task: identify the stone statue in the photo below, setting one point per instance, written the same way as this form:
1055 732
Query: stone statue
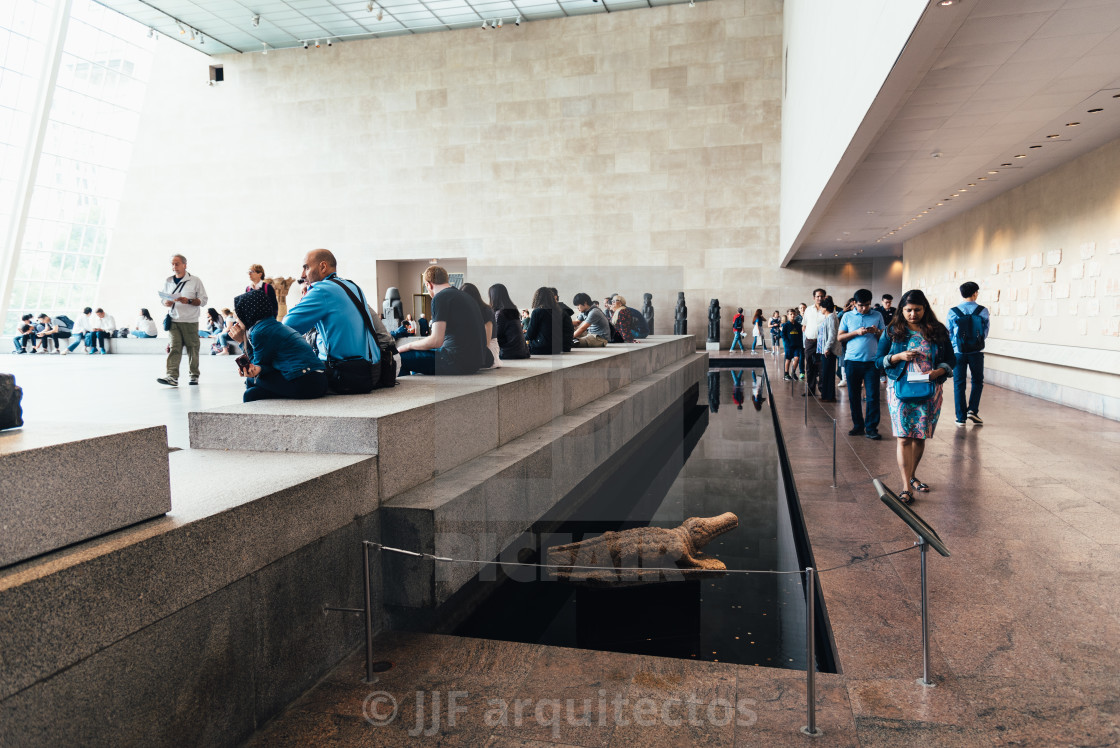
11 412
665 554
713 321
713 391
647 310
680 316
392 311
282 286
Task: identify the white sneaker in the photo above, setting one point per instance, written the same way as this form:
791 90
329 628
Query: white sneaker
842 383
63 352
960 423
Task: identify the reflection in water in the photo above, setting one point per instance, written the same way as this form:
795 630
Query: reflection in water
713 391
737 387
756 391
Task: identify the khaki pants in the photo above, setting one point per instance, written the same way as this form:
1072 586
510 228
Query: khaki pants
183 334
590 341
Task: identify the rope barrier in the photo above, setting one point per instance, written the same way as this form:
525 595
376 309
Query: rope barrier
645 569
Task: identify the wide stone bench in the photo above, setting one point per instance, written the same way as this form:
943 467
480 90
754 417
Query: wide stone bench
155 346
211 616
428 425
64 484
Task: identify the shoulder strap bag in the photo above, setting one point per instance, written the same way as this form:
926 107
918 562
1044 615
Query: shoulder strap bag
167 317
356 376
915 392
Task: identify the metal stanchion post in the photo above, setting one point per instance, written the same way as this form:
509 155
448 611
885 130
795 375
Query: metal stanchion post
805 393
810 655
923 546
370 677
833 452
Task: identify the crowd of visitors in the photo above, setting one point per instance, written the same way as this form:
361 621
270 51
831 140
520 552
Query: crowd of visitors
906 348
332 340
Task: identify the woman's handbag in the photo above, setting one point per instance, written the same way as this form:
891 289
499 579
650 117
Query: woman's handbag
917 391
167 321
913 392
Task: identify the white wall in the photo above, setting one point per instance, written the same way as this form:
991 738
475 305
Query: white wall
1047 258
837 56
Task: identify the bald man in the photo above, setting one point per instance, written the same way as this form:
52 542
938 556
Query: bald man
327 307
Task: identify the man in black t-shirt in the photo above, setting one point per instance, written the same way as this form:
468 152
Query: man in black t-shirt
458 338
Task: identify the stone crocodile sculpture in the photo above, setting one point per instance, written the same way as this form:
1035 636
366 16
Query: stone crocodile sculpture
665 554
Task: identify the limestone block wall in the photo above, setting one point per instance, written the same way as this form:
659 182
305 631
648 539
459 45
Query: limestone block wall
642 144
1047 258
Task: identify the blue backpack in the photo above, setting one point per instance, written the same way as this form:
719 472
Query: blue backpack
970 330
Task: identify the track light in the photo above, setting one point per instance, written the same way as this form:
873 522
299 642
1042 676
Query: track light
201 39
484 26
305 45
256 20
192 35
317 44
517 22
181 29
692 3
493 24
151 33
264 48
328 42
380 14
499 23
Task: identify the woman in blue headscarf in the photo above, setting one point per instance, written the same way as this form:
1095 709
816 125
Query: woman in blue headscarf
280 362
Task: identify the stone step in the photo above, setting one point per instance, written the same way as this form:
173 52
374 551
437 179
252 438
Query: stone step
476 510
428 425
65 483
234 514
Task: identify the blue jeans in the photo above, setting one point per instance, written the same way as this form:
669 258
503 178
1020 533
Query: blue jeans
418 362
139 334
756 341
974 364
271 384
737 340
863 385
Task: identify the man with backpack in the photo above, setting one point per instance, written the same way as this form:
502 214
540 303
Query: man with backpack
968 329
737 323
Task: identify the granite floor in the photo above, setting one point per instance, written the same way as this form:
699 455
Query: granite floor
1025 617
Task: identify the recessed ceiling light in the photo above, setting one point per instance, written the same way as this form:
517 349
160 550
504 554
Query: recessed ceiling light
963 189
1036 146
1020 155
1072 124
1094 111
1053 136
945 3
941 203
981 179
993 172
956 194
1005 164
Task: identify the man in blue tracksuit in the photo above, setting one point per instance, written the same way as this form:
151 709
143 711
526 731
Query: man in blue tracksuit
968 324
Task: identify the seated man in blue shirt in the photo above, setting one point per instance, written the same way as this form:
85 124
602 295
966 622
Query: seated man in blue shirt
968 325
328 309
860 329
458 339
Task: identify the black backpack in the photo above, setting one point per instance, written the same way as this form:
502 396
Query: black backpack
641 327
970 330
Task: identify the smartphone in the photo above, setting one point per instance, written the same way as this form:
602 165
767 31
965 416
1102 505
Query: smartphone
243 362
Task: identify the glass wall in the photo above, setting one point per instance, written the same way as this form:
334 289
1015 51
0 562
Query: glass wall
94 111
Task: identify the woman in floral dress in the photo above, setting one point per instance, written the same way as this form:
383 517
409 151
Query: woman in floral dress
914 342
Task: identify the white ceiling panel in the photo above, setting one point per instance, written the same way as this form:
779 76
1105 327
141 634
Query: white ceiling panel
228 25
1013 73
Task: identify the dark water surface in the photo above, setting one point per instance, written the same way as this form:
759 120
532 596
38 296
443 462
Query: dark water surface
719 456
